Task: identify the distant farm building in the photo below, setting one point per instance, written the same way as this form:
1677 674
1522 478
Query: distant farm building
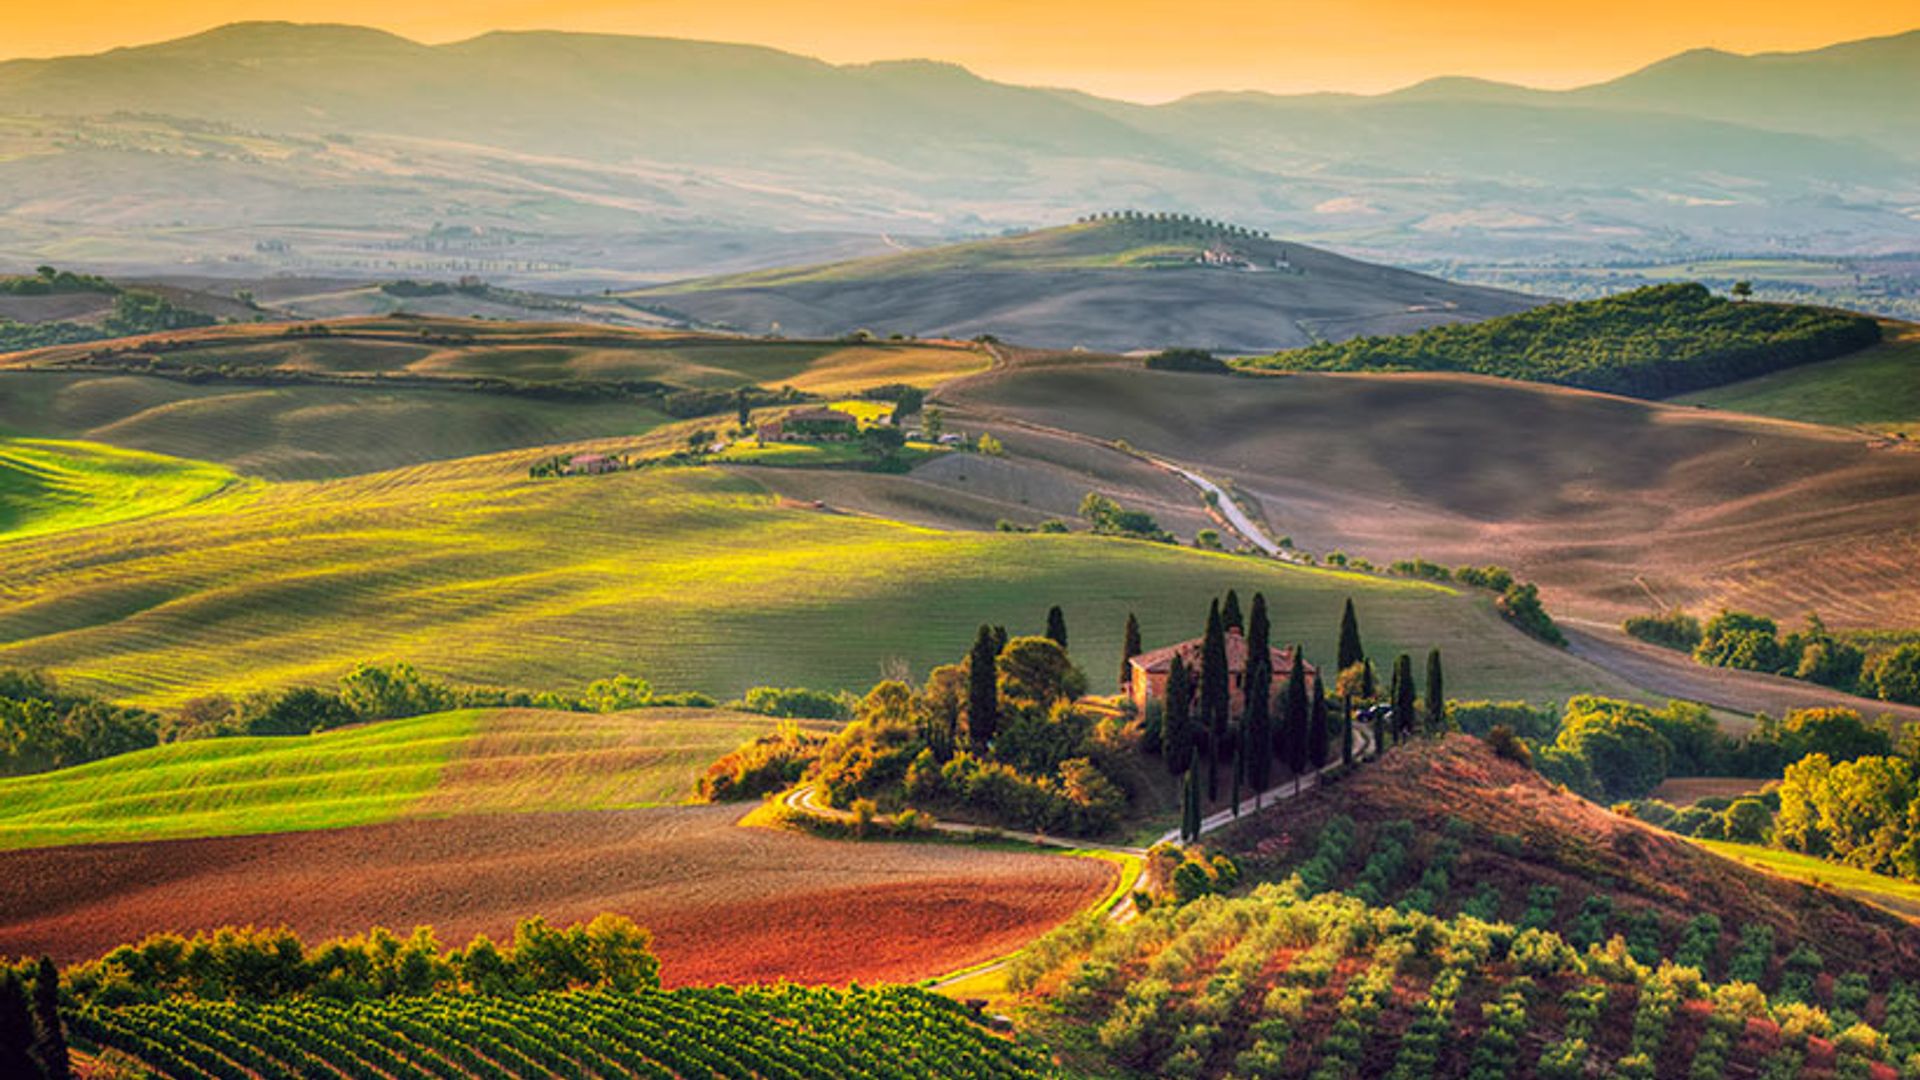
591 464
810 425
1147 673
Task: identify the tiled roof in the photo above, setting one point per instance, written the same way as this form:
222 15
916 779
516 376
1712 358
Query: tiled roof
1160 660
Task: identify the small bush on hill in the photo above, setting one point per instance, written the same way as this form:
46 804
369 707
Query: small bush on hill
1497 578
1674 630
796 703
45 727
770 763
1521 605
1197 361
1109 518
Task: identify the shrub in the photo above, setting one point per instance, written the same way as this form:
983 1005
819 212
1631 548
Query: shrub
796 702
769 763
1673 630
1521 605
1197 361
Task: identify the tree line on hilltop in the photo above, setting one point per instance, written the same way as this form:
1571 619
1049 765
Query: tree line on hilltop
1653 342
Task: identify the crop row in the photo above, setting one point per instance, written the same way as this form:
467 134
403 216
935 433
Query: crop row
781 1033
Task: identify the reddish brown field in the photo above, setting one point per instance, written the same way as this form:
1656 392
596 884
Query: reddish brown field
726 904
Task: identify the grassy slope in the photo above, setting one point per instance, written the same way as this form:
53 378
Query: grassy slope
694 578
1877 389
299 432
1892 893
49 486
475 761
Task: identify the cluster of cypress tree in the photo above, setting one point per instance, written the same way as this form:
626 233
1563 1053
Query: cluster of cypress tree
1198 722
33 1046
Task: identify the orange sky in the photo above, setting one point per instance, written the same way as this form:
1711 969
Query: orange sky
1141 49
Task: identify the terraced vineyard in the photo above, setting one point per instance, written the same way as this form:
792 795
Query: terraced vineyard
782 1032
1278 983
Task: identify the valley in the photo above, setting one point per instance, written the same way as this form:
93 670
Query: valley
552 554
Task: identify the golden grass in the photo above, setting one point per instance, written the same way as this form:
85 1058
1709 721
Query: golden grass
49 486
694 578
468 762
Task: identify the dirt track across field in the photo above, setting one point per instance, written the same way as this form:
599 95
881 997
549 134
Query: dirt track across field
725 904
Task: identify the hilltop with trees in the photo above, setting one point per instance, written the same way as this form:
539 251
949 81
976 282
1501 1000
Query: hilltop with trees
1653 342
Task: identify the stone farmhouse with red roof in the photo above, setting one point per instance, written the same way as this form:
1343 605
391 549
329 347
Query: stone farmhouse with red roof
1147 672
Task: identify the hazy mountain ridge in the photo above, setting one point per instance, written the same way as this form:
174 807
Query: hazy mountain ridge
325 148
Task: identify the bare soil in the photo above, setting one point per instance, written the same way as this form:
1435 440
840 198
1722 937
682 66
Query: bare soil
1615 506
725 904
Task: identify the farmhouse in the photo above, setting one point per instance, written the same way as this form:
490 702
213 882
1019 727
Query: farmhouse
591 464
810 425
1147 673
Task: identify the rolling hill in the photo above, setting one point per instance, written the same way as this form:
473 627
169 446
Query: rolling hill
263 148
1617 507
1113 285
442 765
1444 913
694 578
50 487
319 400
1877 389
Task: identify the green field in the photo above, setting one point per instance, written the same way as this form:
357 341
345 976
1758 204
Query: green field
467 762
1878 388
49 486
299 432
1892 893
694 578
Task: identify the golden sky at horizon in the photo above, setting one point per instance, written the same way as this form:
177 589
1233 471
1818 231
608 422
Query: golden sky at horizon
1139 49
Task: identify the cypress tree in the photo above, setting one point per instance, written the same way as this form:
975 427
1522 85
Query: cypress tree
1369 686
1257 722
1215 696
51 1046
999 640
1190 804
1346 728
1176 728
1057 626
1436 719
744 407
1230 615
1403 711
1319 735
983 690
1239 769
1259 629
1351 651
1256 743
1129 649
1298 714
16 1029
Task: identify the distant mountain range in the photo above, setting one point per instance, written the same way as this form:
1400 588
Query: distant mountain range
267 146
